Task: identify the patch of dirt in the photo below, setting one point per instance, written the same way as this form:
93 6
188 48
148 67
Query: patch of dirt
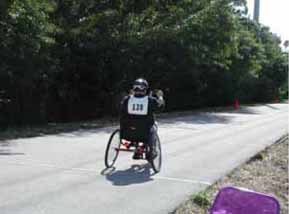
266 172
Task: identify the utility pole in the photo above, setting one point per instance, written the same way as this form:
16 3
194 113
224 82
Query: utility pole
257 10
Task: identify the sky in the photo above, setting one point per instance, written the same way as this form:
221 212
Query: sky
274 14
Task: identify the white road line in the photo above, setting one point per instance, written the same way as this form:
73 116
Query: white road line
157 177
52 166
182 180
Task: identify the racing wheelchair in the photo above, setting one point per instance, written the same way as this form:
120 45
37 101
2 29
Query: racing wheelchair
149 149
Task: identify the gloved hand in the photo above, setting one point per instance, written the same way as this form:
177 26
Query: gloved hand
159 93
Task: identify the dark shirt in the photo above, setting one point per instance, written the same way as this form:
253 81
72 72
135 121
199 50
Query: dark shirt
137 125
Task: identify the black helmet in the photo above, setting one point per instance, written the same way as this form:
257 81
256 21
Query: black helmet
140 85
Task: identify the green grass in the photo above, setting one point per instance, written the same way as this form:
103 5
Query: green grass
202 199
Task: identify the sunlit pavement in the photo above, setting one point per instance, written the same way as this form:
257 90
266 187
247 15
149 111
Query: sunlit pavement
65 173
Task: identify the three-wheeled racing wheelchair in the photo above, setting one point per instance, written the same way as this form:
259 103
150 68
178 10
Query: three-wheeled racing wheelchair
127 139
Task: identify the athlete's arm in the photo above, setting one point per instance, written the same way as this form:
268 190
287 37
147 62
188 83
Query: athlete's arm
158 102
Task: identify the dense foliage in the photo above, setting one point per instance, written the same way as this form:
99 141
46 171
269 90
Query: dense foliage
63 60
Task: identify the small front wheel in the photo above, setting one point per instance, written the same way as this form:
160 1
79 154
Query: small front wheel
112 149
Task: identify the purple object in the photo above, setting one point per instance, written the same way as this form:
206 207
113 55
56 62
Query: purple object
232 200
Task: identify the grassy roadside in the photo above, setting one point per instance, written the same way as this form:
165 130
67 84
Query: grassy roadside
266 172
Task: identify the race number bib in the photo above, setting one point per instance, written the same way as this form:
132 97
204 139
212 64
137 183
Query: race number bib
138 106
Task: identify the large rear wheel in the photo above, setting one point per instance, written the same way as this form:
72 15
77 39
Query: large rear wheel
155 158
112 149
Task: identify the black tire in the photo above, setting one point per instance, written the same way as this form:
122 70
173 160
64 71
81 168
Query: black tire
111 152
156 162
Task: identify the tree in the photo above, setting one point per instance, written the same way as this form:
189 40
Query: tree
24 40
72 60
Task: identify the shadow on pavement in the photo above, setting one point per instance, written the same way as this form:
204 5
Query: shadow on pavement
8 152
91 128
136 174
5 149
87 132
201 118
208 117
246 110
78 129
272 107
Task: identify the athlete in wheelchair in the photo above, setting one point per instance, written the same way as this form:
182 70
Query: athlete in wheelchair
138 129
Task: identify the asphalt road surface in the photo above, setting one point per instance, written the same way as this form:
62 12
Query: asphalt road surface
64 173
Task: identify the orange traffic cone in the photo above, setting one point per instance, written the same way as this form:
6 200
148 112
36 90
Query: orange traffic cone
237 104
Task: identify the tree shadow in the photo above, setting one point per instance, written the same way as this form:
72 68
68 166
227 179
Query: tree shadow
88 132
84 129
199 118
5 149
5 143
136 174
245 110
272 107
8 152
77 129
